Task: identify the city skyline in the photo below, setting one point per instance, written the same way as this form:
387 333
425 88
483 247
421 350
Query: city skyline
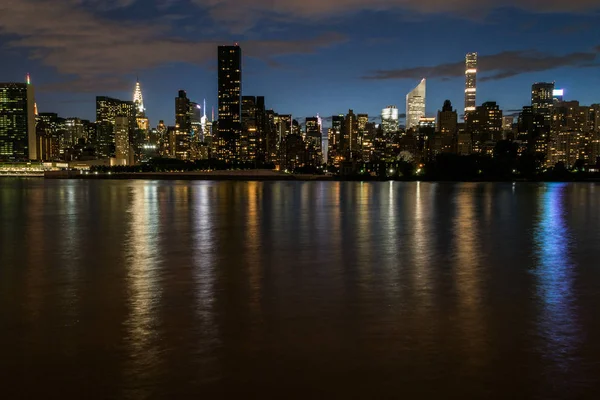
298 73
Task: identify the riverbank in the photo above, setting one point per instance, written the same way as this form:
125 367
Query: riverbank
242 175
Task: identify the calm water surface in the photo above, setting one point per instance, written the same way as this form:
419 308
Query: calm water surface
173 290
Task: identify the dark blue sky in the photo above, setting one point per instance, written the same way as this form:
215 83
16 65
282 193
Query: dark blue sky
305 56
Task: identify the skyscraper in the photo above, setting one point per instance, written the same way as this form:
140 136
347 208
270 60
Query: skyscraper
470 82
17 122
415 105
183 125
107 110
348 142
138 100
389 120
230 102
542 100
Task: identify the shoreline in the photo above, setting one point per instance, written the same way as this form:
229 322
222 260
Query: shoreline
274 176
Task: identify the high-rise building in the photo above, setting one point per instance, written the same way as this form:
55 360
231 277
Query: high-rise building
107 110
470 83
389 120
49 136
17 122
142 122
542 101
183 126
486 124
348 142
230 102
313 130
447 119
248 138
123 146
415 105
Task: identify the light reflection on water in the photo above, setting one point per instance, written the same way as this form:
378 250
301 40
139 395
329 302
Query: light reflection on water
215 289
555 274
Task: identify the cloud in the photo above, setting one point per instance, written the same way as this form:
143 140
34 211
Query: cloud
494 67
96 52
243 14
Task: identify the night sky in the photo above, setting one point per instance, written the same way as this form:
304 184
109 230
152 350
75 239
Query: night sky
305 56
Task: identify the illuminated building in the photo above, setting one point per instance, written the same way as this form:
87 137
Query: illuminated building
361 126
283 122
48 136
123 148
485 125
348 142
230 102
470 83
249 139
447 119
542 101
558 95
184 111
389 120
107 110
17 122
313 130
415 105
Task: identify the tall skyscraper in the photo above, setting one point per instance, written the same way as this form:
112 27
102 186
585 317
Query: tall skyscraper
142 121
349 139
470 83
184 113
138 99
248 138
415 105
17 122
389 120
107 110
230 102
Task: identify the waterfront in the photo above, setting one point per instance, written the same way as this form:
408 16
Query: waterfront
178 289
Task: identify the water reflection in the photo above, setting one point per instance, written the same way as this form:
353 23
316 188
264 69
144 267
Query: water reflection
142 258
557 322
468 277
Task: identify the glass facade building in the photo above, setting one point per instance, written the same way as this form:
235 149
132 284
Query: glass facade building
415 105
17 122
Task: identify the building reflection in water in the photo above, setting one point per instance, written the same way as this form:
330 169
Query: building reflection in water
468 277
204 260
557 323
142 258
252 244
421 243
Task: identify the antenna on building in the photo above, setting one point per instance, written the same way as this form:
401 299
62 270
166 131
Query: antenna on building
28 79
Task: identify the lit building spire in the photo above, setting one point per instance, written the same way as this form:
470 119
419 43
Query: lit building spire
138 99
28 79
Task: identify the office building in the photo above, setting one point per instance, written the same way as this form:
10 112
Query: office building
107 110
389 120
470 83
348 142
230 102
447 119
184 112
485 125
17 122
542 102
415 105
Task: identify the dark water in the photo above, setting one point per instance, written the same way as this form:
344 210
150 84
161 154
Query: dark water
172 290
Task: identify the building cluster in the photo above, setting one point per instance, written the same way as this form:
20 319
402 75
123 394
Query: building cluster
247 133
